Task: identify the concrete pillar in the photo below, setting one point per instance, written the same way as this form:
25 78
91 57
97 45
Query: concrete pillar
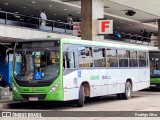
158 33
91 11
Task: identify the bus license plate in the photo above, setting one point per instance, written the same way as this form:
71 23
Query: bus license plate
33 99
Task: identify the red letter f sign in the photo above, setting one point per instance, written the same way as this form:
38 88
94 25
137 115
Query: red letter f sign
105 27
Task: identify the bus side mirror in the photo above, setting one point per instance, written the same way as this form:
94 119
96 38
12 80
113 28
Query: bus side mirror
6 59
1 76
7 56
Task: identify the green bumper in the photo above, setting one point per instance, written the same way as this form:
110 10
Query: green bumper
50 96
155 80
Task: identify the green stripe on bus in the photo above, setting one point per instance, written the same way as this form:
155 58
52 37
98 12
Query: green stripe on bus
155 80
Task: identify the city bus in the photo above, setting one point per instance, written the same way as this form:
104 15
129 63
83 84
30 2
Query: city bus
154 57
67 69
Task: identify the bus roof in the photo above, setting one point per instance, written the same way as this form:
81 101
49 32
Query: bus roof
106 43
38 39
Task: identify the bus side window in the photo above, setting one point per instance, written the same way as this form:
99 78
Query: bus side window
123 58
142 59
69 60
112 60
85 56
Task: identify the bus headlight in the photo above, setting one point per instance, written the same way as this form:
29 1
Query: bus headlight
55 87
15 88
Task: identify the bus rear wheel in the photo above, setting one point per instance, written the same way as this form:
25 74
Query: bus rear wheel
128 91
80 102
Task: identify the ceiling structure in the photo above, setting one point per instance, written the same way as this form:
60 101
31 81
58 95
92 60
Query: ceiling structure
145 17
148 6
123 23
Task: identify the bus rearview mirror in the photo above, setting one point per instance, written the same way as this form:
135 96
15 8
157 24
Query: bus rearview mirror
7 56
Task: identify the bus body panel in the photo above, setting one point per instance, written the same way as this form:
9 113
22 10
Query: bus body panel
102 83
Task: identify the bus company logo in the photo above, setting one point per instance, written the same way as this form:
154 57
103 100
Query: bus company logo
79 74
94 77
104 77
33 90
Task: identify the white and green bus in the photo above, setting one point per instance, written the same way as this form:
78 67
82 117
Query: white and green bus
68 69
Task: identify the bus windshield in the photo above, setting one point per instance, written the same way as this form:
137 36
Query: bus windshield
36 63
154 62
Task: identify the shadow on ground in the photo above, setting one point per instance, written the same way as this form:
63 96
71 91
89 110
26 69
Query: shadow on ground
61 105
151 90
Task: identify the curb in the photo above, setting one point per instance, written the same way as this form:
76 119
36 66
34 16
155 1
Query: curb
5 101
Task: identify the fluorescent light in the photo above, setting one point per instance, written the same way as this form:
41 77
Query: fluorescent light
65 9
6 3
16 12
33 2
24 7
50 5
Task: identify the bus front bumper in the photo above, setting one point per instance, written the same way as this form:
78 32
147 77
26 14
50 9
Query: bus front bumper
50 96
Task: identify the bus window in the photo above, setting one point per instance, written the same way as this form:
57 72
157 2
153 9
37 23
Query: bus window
112 60
142 59
133 62
123 58
111 52
85 56
99 57
68 59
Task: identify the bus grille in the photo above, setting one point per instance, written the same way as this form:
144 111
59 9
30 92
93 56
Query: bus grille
39 96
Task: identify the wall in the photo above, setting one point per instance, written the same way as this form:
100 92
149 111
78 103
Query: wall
27 33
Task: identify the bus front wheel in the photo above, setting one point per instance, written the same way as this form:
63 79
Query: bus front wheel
128 91
80 101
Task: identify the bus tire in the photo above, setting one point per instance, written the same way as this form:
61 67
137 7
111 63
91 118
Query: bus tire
128 91
80 102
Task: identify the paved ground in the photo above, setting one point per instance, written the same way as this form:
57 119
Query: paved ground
141 101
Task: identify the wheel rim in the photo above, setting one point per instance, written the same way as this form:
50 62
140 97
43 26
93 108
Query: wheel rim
128 90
